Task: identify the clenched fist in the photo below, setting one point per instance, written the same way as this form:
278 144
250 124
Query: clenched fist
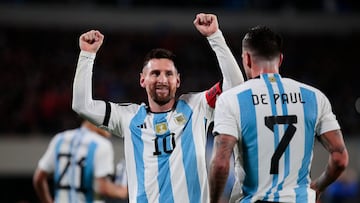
91 41
206 24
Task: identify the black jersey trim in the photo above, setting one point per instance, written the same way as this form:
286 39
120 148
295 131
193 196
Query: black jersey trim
107 114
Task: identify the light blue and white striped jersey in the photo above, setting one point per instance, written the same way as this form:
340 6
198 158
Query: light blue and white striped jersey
275 120
165 152
76 157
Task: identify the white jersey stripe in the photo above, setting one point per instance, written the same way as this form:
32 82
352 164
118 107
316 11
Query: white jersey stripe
190 163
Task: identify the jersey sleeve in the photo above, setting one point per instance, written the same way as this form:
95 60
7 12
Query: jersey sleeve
83 102
47 161
230 69
225 121
327 119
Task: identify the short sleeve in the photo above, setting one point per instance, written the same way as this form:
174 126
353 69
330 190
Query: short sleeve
327 119
47 161
225 121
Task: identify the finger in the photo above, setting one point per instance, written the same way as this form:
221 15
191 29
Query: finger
198 18
98 36
209 18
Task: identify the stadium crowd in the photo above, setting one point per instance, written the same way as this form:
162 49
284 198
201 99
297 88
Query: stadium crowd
37 71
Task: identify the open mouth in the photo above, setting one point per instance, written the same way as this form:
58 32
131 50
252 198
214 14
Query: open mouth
162 90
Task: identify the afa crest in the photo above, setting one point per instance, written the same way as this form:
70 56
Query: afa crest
161 128
180 119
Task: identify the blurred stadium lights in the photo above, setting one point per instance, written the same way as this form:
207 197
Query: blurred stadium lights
175 19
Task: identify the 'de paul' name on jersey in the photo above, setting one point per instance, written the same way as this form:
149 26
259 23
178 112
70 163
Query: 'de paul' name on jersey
285 98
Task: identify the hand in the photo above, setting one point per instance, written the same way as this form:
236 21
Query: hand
207 24
313 186
91 41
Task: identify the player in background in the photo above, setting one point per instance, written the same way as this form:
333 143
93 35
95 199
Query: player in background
81 161
164 140
121 179
271 124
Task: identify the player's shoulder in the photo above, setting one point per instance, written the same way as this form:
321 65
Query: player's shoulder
306 86
126 106
66 133
191 95
232 92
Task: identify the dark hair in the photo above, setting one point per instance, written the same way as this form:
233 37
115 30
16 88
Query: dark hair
263 42
158 53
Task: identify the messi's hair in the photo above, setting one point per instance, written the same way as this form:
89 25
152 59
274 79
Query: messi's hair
263 42
158 53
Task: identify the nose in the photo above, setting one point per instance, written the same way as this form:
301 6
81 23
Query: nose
162 78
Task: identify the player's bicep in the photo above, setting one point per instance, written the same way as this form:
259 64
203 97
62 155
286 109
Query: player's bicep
224 145
333 141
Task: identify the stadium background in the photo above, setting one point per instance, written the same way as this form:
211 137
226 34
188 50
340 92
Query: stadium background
39 49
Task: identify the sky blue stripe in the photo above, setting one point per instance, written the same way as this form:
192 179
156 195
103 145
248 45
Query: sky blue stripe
189 154
57 173
248 128
75 143
276 128
89 171
310 115
138 146
287 151
164 174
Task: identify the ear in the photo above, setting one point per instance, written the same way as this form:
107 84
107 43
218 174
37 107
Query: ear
247 58
178 80
281 57
142 80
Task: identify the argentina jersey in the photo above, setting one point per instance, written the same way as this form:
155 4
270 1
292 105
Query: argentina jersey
275 120
165 152
76 157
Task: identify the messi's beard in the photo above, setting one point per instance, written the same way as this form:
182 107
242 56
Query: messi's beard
162 100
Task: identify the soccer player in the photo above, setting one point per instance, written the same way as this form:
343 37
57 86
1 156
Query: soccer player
81 161
271 123
164 140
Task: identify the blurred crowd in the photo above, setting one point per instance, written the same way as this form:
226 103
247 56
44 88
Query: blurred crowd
38 66
342 6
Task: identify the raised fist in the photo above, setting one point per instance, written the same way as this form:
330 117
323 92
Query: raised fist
91 41
206 24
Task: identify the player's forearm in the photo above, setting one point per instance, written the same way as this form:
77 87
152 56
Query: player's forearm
83 102
42 191
106 188
230 69
337 163
217 181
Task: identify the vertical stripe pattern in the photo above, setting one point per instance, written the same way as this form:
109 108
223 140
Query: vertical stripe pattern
249 142
138 146
189 162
